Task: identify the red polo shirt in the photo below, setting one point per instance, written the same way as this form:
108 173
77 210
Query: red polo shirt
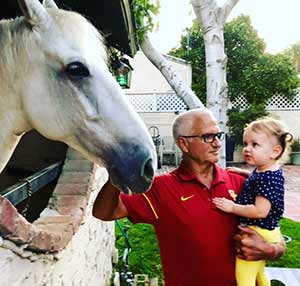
195 238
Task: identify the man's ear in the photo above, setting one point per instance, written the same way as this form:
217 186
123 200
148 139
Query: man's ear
182 144
277 151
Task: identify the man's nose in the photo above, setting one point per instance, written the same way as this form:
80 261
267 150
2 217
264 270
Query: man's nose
217 142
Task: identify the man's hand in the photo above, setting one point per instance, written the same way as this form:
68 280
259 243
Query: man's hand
251 246
108 205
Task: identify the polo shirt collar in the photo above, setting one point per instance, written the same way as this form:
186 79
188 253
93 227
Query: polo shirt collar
186 174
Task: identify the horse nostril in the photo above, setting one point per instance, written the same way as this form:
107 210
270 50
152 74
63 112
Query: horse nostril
147 171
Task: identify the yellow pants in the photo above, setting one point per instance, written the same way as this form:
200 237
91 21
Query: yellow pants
249 272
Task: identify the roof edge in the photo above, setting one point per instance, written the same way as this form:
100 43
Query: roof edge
127 11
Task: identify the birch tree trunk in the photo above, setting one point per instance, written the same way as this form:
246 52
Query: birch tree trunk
211 20
173 78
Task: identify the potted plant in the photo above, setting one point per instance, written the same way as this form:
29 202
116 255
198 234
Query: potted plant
295 152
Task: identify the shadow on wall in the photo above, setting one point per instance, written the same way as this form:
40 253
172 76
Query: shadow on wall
230 146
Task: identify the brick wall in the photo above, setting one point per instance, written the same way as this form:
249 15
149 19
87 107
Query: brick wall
85 261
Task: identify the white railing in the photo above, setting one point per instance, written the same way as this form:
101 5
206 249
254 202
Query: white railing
156 102
277 102
170 102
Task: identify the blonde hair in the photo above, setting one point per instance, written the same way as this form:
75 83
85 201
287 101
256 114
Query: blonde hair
272 127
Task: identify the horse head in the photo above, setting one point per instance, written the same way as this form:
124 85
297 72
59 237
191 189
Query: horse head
67 94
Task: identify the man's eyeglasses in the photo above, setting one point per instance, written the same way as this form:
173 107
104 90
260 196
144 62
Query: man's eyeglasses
208 137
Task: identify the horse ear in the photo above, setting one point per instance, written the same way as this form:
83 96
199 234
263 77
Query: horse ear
49 4
35 13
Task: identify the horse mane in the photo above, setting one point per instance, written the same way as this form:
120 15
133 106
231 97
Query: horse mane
13 35
16 37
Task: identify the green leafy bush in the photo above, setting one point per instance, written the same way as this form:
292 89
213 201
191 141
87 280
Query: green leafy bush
237 120
144 256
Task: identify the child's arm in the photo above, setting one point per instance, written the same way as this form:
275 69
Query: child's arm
259 210
240 171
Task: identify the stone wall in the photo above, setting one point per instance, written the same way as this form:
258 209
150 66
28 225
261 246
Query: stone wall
85 261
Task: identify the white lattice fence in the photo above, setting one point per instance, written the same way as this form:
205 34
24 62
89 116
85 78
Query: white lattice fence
156 102
277 102
170 102
143 102
282 103
240 102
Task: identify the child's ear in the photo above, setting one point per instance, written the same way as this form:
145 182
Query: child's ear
277 150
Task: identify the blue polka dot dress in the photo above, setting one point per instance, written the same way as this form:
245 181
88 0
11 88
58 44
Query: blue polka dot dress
269 184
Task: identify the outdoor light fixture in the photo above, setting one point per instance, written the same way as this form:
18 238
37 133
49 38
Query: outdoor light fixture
122 72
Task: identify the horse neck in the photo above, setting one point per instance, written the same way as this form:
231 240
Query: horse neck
12 119
8 143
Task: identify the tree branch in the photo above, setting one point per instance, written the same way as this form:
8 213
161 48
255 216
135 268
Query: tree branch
172 77
227 7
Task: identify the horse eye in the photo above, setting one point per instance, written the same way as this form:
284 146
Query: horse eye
77 70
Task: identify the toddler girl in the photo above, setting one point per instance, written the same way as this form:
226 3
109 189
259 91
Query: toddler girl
261 202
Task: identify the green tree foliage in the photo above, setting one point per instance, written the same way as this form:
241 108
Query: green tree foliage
250 70
293 52
144 11
243 48
269 75
192 49
238 118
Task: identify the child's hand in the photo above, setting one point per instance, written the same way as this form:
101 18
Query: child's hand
241 171
224 204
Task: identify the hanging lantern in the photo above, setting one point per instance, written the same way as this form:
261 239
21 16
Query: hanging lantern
122 72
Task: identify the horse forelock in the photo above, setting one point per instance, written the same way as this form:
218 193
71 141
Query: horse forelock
76 28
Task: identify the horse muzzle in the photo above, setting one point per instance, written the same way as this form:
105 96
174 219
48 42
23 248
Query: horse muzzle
134 172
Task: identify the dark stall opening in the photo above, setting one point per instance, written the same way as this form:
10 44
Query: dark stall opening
33 154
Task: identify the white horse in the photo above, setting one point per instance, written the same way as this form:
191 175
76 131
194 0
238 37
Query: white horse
54 78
